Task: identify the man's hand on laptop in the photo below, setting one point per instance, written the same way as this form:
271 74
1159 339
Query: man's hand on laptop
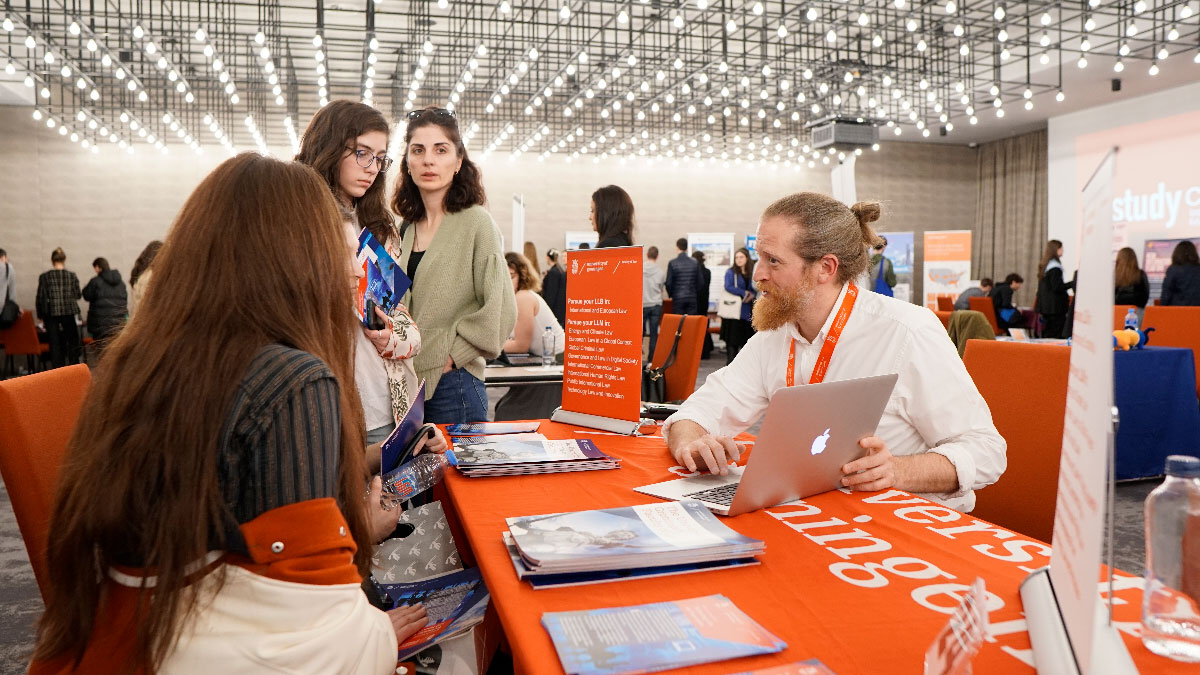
873 472
880 470
697 450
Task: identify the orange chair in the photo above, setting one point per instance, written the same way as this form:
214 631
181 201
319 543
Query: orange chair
944 317
21 339
1175 327
1028 412
38 413
681 376
945 302
1119 312
985 306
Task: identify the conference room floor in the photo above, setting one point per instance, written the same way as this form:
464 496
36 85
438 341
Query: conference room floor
20 603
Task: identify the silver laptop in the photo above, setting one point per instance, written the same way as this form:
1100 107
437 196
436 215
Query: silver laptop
808 434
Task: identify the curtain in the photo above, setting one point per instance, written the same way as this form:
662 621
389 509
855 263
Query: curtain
1012 213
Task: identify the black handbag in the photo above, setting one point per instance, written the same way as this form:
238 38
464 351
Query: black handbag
11 310
654 381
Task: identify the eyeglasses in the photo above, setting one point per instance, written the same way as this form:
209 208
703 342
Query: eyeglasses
365 159
436 112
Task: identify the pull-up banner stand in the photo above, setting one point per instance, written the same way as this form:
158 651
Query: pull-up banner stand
602 365
1070 630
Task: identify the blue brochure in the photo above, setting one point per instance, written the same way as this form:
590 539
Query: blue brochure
386 282
657 636
398 441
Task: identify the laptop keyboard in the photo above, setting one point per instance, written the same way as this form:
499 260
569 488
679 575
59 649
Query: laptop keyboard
722 494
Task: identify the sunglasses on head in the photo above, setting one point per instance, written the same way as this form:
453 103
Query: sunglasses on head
435 112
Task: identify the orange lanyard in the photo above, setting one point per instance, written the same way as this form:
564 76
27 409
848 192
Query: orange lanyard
831 340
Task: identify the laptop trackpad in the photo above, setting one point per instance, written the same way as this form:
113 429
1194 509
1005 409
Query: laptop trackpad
684 488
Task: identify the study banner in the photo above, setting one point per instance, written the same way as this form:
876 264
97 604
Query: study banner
603 359
947 263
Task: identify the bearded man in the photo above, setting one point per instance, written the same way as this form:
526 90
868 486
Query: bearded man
936 437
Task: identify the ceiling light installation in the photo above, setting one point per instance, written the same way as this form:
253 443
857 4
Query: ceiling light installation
552 78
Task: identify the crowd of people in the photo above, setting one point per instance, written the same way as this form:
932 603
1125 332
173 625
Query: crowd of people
1054 303
222 457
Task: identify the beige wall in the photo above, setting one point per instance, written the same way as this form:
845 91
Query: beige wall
922 187
52 193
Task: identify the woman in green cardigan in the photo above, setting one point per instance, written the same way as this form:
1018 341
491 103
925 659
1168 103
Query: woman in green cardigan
461 296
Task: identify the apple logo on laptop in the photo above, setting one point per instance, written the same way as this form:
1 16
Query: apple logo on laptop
818 444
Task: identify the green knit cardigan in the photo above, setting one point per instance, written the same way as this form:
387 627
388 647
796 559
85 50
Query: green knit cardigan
462 298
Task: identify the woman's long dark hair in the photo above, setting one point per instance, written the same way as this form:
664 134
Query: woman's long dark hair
1185 254
1127 272
328 138
1051 253
139 481
466 190
614 213
144 261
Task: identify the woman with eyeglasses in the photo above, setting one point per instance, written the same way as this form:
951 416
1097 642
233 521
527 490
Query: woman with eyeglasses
346 144
461 294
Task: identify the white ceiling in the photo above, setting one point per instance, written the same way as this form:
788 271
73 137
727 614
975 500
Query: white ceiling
696 51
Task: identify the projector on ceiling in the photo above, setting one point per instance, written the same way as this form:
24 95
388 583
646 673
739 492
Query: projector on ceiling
843 132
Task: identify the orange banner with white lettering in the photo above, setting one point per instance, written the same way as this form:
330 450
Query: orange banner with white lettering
603 360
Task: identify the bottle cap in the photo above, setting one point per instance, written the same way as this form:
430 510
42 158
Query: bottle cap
1183 466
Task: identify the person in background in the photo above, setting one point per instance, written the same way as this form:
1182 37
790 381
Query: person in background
982 291
139 276
533 314
57 306
532 257
683 280
653 281
1007 314
8 281
107 302
702 293
534 321
1132 286
255 443
739 280
936 436
612 217
1053 301
882 277
584 246
461 295
345 144
554 286
1181 286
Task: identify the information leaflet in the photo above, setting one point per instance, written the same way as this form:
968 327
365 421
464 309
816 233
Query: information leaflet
603 358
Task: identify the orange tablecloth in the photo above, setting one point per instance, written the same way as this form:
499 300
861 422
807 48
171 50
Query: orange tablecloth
861 581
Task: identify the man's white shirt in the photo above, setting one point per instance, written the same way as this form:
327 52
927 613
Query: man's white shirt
935 407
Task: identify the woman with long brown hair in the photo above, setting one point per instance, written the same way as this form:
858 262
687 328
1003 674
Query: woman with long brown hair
461 294
1132 286
1052 298
345 143
139 276
215 477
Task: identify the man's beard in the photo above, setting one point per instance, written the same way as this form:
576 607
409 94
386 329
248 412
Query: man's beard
778 306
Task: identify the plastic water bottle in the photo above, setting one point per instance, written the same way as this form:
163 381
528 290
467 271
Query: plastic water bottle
1170 619
1131 319
548 347
414 476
